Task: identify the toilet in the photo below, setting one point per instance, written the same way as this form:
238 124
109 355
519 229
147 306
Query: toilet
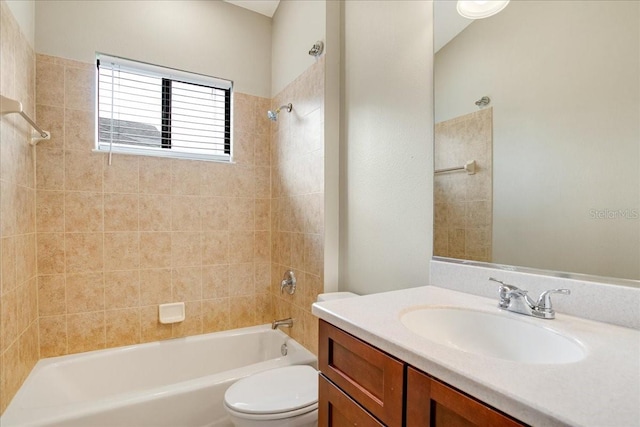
281 397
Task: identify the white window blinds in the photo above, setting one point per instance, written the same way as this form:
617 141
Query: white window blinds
152 110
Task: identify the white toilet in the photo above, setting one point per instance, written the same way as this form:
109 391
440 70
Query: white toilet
281 397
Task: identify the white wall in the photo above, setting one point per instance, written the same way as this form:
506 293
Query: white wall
25 13
297 25
563 80
387 160
209 37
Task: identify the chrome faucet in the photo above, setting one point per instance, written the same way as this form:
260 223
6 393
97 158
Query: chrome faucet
517 300
286 323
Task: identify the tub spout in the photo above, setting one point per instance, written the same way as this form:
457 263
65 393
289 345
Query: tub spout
287 323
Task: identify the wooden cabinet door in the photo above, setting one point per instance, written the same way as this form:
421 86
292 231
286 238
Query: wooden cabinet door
336 409
369 376
434 404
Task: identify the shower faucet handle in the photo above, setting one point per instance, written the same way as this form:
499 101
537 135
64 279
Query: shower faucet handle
288 282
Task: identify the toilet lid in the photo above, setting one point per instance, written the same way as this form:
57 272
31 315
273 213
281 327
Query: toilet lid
274 391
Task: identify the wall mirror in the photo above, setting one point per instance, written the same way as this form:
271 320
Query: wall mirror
545 98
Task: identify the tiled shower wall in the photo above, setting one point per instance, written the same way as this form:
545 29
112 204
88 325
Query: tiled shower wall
100 246
18 289
463 203
114 241
297 205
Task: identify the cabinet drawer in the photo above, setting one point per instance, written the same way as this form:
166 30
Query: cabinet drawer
366 374
336 409
431 403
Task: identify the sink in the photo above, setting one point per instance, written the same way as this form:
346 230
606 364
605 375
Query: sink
496 335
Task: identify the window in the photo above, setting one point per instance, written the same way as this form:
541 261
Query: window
151 110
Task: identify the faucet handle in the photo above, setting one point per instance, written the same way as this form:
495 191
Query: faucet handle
544 301
506 291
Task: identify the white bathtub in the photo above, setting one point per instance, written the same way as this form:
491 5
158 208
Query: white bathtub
174 383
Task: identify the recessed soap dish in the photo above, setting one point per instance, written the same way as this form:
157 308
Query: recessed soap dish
171 313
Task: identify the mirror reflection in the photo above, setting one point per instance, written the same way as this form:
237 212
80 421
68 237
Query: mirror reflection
545 98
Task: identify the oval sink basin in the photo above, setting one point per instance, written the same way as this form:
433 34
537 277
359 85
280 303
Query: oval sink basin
492 335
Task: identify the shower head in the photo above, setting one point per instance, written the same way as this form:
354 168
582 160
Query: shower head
273 115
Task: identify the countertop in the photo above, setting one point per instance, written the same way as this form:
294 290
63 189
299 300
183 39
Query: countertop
603 389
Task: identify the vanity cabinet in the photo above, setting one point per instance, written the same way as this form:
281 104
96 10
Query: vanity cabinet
361 385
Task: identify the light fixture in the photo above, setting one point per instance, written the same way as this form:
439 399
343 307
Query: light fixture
478 9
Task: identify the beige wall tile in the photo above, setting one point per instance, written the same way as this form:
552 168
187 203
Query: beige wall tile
185 177
186 249
8 273
185 213
85 292
244 113
217 179
53 335
121 289
50 169
83 170
242 311
243 148
52 295
85 332
214 212
241 214
83 252
26 208
262 148
215 315
121 176
79 128
26 268
263 181
49 83
51 253
155 175
262 278
29 348
122 327
9 317
150 328
186 284
215 248
121 251
12 370
215 281
263 214
241 181
83 211
79 93
49 211
155 213
241 279
155 249
155 286
121 212
241 246
192 323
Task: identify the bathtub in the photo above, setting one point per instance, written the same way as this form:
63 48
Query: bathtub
179 382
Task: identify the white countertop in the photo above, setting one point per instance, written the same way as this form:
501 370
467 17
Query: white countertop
603 389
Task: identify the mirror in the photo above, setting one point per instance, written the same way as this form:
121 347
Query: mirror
556 140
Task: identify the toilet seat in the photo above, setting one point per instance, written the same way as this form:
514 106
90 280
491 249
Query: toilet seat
274 394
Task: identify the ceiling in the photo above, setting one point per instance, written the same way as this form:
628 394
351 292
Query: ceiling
447 25
264 7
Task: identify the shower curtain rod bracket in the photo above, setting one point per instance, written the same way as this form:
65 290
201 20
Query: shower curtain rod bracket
10 106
